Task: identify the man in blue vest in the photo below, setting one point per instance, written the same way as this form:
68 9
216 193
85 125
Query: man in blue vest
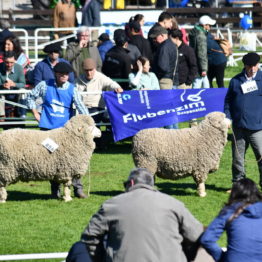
58 97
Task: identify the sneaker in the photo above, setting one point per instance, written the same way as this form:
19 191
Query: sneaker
229 191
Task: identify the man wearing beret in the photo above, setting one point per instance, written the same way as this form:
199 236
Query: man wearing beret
243 106
58 96
44 70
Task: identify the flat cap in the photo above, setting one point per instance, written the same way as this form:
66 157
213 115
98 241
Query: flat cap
103 37
251 59
63 67
156 31
56 48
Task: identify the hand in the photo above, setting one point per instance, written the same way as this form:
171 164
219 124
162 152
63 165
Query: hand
203 74
118 90
37 115
228 122
8 84
139 65
56 36
83 43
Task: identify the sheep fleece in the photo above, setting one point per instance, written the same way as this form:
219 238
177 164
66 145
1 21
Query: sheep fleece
24 158
173 154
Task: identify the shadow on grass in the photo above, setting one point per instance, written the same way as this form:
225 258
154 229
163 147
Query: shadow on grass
25 196
109 193
123 147
180 189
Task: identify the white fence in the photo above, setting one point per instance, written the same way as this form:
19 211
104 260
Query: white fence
61 255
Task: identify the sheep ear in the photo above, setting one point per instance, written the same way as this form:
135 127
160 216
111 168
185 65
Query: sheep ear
80 128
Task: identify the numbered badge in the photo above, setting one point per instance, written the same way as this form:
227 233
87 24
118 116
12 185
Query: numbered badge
50 144
249 86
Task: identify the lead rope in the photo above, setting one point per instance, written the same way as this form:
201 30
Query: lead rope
89 180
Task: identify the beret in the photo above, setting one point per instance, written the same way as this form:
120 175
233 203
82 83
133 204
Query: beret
56 47
251 59
63 67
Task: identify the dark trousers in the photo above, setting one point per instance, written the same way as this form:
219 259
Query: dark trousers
218 72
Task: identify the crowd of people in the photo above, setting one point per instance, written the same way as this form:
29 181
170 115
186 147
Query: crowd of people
168 58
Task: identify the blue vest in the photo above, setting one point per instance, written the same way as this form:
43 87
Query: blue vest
57 107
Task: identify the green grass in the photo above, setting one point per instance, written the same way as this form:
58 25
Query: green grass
31 222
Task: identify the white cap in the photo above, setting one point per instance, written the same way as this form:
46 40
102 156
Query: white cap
206 20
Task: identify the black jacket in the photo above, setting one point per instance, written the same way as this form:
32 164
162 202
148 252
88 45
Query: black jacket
143 45
166 61
117 64
187 65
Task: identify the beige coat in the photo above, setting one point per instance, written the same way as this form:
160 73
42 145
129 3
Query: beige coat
99 83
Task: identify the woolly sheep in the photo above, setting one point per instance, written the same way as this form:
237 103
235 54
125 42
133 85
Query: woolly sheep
174 154
24 158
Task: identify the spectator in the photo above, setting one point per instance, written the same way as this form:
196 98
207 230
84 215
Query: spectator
187 66
81 49
137 18
91 13
4 34
138 40
117 62
58 96
166 60
44 70
242 107
64 16
93 81
104 45
217 61
198 41
165 20
141 78
11 78
241 218
124 228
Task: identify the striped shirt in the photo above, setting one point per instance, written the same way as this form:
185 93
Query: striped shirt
40 92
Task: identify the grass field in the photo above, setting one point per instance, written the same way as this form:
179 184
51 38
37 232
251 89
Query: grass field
31 222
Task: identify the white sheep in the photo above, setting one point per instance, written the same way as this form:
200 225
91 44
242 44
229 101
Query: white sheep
24 158
173 154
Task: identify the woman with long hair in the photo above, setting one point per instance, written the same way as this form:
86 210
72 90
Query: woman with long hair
12 44
241 218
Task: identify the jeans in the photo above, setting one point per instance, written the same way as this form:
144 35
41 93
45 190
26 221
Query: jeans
201 82
242 139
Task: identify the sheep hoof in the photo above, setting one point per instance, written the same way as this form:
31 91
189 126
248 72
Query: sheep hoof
67 199
202 194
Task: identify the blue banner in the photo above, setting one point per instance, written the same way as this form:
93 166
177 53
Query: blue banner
132 111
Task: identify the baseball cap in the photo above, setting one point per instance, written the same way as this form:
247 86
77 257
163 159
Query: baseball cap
156 31
88 64
56 48
103 37
206 20
120 36
251 59
63 67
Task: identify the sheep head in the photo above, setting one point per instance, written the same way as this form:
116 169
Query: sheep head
83 123
217 119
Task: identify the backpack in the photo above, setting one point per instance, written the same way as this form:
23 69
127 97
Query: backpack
225 46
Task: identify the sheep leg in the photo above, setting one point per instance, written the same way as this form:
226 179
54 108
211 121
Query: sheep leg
67 192
3 195
201 189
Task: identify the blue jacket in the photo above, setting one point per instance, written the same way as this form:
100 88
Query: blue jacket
215 54
43 72
104 47
244 109
244 235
